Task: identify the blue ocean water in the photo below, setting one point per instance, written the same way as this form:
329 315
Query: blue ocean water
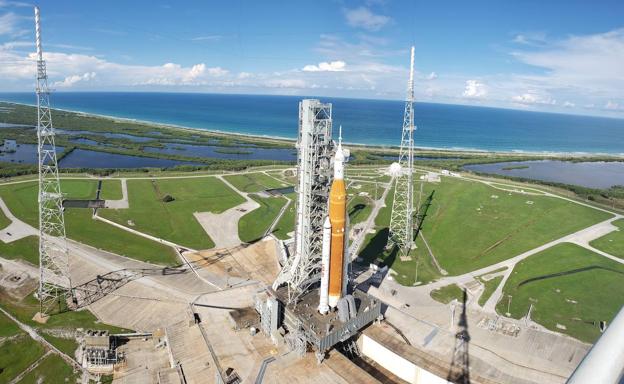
376 122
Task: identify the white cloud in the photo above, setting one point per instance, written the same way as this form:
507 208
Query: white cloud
5 3
333 66
532 38
207 38
285 83
474 89
363 17
533 97
589 65
569 104
72 80
8 23
432 76
613 105
244 75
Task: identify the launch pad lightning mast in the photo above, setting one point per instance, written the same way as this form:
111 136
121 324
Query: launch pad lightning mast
402 219
54 279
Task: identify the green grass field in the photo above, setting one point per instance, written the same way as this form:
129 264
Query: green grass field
26 249
111 190
470 225
359 208
252 225
51 370
490 287
286 223
447 294
82 228
567 285
21 200
16 355
612 243
254 182
174 221
4 221
7 326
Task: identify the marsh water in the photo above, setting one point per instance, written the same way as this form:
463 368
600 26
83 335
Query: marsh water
597 174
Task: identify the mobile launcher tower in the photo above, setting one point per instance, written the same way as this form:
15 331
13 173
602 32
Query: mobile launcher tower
311 303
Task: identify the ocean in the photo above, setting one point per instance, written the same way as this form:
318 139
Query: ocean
373 122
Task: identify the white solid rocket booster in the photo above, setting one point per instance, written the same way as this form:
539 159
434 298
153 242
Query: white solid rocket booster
324 291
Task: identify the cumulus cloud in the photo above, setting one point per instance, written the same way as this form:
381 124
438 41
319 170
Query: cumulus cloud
474 89
533 97
568 104
333 66
363 17
72 80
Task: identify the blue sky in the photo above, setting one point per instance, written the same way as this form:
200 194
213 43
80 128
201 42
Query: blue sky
559 56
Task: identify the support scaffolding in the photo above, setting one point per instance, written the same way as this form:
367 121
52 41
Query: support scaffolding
315 150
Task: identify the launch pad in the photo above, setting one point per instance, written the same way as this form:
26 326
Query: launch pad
323 332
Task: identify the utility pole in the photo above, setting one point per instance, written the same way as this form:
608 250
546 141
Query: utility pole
54 278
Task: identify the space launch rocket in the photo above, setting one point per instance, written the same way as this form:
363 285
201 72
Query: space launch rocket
334 258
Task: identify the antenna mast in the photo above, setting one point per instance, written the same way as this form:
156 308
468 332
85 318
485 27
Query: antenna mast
54 279
401 222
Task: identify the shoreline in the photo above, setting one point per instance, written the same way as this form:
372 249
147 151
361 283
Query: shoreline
378 148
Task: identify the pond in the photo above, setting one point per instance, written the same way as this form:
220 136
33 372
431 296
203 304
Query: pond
138 139
597 174
234 153
9 125
80 158
25 153
81 140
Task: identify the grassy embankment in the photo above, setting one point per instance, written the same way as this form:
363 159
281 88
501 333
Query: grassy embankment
22 201
448 293
567 285
253 225
174 220
470 225
254 182
489 288
612 243
111 190
52 370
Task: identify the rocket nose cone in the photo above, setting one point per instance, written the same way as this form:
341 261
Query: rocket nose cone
327 224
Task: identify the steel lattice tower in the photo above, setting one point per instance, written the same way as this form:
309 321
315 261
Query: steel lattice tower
54 280
314 169
401 221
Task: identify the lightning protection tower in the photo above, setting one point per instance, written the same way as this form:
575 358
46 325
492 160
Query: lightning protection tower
401 221
54 280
